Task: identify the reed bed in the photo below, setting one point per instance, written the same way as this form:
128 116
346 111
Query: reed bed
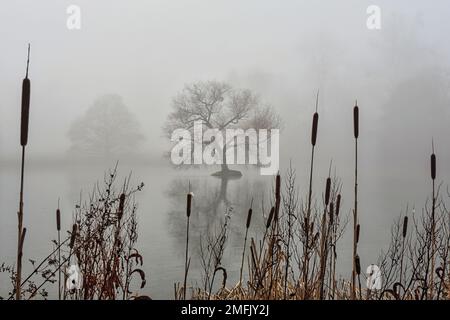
294 258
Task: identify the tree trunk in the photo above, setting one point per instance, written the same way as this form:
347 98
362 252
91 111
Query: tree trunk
224 164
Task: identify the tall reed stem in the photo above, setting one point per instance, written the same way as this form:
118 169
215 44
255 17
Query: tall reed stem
58 228
355 211
308 210
247 226
433 220
187 261
23 142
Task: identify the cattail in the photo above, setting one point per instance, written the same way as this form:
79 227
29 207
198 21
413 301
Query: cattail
58 219
188 206
187 259
121 206
338 204
25 112
356 121
58 228
73 235
278 187
433 166
314 128
249 218
25 106
327 191
357 265
357 233
405 226
269 219
277 196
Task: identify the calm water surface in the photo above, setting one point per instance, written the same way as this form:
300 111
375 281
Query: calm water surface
161 215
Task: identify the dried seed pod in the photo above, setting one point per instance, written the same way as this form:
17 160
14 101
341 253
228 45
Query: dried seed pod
357 233
405 226
249 218
278 186
121 206
314 128
25 114
188 204
357 265
58 219
433 166
327 191
277 197
356 121
338 204
269 219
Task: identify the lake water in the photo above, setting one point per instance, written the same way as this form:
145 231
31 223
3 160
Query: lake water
161 214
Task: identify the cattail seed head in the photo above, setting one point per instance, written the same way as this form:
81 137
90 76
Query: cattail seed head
356 121
121 206
73 235
327 191
338 204
277 197
58 219
188 204
278 186
357 233
269 219
25 105
357 265
405 226
314 128
249 218
433 166
25 112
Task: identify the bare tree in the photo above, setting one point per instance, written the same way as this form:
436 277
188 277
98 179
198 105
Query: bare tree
107 129
219 106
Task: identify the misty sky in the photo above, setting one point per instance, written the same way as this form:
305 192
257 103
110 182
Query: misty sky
146 51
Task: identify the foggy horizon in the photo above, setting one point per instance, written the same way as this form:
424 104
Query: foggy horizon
147 59
138 58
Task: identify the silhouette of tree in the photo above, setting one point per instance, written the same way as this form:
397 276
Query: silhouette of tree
107 129
219 106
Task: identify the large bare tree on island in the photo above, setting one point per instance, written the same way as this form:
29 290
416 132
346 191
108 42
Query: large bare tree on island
107 129
219 106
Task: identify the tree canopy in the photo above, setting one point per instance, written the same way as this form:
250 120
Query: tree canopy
107 129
